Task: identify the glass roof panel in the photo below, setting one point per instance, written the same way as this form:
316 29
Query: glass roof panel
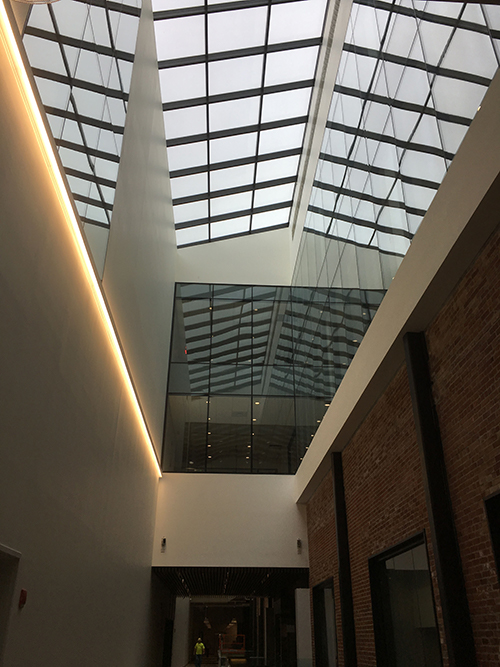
192 235
188 185
237 29
270 218
226 49
267 196
235 74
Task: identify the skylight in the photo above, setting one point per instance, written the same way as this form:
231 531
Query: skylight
236 80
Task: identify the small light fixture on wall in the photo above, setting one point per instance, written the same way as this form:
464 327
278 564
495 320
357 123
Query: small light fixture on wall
299 546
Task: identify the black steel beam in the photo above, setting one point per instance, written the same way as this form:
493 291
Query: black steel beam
456 614
345 583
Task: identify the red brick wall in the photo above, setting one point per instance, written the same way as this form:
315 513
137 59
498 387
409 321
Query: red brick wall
464 351
383 477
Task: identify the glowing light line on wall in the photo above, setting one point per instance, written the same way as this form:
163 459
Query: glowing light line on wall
10 43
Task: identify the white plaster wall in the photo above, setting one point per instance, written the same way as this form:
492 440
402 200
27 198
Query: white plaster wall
303 627
139 271
229 521
77 484
180 643
257 259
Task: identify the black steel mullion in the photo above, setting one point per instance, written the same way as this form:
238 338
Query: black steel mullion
166 14
235 190
428 16
207 118
381 171
190 171
239 53
370 224
96 223
113 46
357 244
381 138
86 120
88 177
79 83
236 95
450 578
261 105
113 6
234 131
234 214
257 231
85 149
93 202
75 109
78 43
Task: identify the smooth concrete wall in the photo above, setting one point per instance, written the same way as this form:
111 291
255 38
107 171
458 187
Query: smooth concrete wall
229 521
77 483
180 643
258 259
139 271
459 221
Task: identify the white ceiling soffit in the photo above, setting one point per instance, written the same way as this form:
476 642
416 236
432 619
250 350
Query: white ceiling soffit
236 80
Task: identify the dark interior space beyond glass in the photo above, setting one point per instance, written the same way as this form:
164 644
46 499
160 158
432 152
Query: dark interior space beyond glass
404 619
325 632
253 370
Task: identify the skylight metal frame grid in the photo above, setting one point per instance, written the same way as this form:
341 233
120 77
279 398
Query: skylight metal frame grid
209 197
338 208
94 200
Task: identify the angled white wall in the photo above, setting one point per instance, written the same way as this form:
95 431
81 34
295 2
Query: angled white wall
258 259
139 271
229 521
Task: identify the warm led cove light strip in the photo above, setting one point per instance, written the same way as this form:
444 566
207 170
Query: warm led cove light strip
14 55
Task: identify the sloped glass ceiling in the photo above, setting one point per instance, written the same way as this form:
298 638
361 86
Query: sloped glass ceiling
411 78
236 80
81 54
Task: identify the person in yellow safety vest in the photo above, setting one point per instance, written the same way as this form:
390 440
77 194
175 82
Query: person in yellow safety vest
199 650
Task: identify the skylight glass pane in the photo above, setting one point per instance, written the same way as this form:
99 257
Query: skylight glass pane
289 104
71 18
182 83
279 193
190 155
239 202
98 26
270 218
229 227
281 139
296 20
181 37
235 74
40 17
192 235
106 169
188 185
221 179
53 94
159 5
127 33
270 169
237 113
189 212
236 30
185 122
232 148
292 65
44 54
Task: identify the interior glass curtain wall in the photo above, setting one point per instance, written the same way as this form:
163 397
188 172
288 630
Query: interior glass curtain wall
411 78
253 370
81 54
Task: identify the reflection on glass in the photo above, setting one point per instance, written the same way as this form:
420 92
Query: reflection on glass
253 370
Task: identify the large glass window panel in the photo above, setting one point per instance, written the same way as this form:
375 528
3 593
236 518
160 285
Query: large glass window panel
235 74
271 218
220 179
288 104
279 168
44 54
402 35
194 211
281 139
99 29
189 155
186 433
127 33
189 378
40 18
230 203
232 148
180 37
237 29
229 433
53 94
279 193
229 227
230 379
182 83
291 65
237 113
406 632
159 5
457 97
273 435
296 20
192 235
72 18
189 185
185 122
